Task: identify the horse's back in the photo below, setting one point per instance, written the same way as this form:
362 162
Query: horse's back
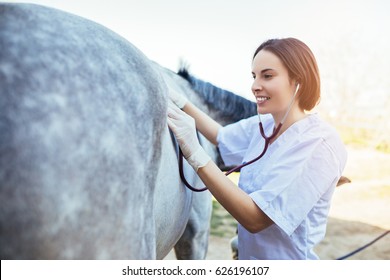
81 115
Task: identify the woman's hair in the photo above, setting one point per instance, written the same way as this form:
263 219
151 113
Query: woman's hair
301 65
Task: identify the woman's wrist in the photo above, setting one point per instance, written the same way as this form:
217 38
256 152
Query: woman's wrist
198 159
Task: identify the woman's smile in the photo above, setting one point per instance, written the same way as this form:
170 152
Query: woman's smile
262 99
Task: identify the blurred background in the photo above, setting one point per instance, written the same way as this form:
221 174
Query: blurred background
350 39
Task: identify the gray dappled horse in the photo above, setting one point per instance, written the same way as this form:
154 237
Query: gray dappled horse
88 169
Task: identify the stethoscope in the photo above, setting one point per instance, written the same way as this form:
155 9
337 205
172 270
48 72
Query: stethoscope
267 140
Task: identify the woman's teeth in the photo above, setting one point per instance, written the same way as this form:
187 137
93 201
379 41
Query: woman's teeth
262 99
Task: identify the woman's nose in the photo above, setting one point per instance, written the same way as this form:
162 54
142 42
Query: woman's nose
256 86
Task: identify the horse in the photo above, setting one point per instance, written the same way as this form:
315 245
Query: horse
88 168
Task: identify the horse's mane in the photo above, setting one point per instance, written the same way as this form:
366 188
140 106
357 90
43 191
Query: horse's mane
226 103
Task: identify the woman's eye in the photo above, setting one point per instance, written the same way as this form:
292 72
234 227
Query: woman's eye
267 76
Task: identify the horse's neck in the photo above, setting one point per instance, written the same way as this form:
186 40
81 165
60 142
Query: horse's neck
223 106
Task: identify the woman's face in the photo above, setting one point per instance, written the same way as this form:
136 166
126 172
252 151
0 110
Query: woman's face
272 87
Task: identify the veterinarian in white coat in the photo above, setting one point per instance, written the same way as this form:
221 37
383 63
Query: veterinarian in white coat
283 199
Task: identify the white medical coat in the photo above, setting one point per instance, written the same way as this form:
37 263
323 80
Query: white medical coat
292 184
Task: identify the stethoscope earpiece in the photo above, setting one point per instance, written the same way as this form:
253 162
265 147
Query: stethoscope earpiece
297 88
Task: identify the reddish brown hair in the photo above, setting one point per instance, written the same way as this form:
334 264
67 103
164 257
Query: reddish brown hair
301 65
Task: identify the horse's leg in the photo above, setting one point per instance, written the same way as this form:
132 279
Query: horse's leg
193 243
234 247
172 201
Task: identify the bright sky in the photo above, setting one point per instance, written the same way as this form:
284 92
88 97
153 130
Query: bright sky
218 37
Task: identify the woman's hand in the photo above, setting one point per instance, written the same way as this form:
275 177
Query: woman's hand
178 99
183 126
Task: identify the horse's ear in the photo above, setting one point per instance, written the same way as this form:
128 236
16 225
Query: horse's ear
343 180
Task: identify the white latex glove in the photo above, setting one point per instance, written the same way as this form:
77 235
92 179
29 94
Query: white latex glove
183 126
177 98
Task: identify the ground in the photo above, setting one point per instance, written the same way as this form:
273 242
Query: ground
360 212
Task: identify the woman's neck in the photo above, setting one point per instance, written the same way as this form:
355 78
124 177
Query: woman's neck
295 115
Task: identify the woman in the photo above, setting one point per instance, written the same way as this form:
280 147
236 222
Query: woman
283 199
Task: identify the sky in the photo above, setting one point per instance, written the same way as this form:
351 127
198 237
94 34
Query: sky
217 38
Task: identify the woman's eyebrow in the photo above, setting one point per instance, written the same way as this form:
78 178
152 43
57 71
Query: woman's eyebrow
265 70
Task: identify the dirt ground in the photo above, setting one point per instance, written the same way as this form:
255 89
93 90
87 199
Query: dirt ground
360 212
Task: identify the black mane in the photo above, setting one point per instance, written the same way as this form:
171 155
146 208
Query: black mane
229 106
